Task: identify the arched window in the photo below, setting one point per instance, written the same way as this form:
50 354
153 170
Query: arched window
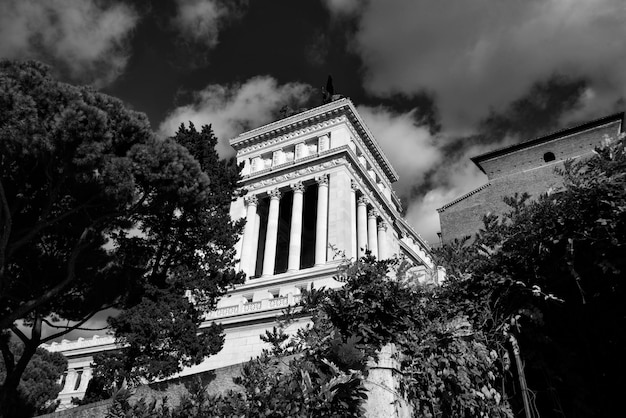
548 156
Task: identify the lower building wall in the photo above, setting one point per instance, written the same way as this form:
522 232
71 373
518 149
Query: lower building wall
466 216
382 384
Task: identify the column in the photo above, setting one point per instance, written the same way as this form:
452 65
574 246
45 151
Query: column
295 233
248 259
382 241
255 243
321 227
70 381
353 230
361 210
85 380
372 232
269 259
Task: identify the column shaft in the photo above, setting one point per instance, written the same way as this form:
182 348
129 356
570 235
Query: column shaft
362 225
383 251
372 232
248 259
295 233
353 228
255 244
321 226
269 258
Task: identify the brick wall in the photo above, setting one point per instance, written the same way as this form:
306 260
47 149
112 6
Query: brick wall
520 171
563 148
465 217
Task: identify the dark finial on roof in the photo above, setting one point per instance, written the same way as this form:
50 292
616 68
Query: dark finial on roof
329 85
328 91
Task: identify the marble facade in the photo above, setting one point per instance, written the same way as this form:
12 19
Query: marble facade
317 188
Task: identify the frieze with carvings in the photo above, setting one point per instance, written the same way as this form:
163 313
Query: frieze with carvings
297 173
294 134
320 126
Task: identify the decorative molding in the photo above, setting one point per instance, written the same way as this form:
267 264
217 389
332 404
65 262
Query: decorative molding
322 180
373 213
362 201
294 134
463 197
354 186
297 173
287 128
382 226
66 345
251 200
274 194
297 187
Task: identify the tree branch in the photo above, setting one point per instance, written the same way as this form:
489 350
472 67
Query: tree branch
75 326
6 231
33 231
572 269
71 327
7 355
20 334
47 296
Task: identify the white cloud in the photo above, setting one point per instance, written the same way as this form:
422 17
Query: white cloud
85 36
342 6
235 108
474 56
201 20
409 147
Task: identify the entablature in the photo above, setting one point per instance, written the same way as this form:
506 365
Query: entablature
381 197
307 126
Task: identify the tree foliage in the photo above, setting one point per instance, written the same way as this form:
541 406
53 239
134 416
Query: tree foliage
321 370
97 212
38 387
551 273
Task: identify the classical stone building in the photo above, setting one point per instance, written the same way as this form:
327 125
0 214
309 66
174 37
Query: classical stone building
527 167
317 185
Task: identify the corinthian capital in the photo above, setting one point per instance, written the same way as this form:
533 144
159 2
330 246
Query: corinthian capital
373 214
251 200
274 194
322 180
297 187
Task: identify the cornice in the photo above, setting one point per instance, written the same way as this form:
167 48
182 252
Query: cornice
463 197
415 234
271 140
295 125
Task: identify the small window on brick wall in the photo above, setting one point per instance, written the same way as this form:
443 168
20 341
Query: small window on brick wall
548 156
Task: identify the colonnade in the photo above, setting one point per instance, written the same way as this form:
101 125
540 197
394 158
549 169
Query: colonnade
369 232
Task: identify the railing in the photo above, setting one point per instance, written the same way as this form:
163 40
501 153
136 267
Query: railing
65 345
258 306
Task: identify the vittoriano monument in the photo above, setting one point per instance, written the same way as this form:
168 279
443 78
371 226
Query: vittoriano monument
316 187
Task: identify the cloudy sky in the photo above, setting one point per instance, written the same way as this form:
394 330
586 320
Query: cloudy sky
436 81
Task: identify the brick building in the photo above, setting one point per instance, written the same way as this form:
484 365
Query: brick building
527 167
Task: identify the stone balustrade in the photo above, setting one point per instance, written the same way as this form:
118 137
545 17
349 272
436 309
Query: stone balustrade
66 345
250 307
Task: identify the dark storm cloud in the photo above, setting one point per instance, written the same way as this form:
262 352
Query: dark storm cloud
497 72
481 55
437 82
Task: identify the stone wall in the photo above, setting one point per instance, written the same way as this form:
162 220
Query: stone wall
219 381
